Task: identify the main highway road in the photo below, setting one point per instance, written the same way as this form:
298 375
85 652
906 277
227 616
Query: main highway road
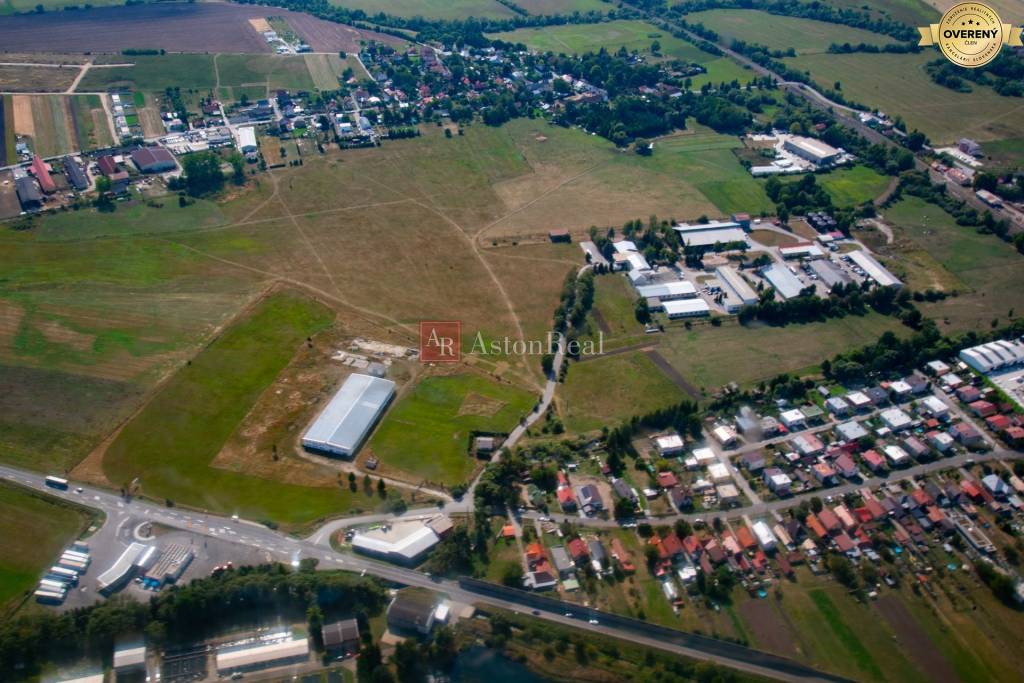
120 512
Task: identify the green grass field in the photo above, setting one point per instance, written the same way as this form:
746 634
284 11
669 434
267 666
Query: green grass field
710 357
910 12
431 9
564 6
899 85
169 445
806 36
582 38
605 391
426 434
1004 154
34 528
853 186
984 269
154 73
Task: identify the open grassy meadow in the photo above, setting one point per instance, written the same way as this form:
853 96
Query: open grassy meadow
564 6
170 443
426 434
710 357
853 186
936 252
36 79
34 529
432 9
1005 154
611 35
910 12
806 36
231 74
577 180
898 84
605 391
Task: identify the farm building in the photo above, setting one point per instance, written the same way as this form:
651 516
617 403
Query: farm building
709 234
76 176
738 293
687 308
813 150
341 427
994 355
785 283
875 270
41 170
247 140
402 542
803 250
262 656
28 193
153 160
668 291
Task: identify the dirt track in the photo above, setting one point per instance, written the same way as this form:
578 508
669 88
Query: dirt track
175 27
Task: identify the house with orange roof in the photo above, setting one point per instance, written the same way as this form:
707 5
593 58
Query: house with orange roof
814 524
745 538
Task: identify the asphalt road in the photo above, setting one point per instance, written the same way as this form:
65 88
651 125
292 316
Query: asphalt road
121 515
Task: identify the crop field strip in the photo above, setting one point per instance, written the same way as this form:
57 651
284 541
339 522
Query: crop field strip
450 10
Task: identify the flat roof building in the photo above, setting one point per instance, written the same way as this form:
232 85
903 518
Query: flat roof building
785 283
261 656
350 415
737 290
828 273
402 542
811 149
686 308
247 140
709 234
875 270
668 291
129 656
804 250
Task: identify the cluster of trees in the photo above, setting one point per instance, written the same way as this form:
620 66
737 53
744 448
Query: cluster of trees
576 300
892 355
684 417
202 175
1005 74
182 614
843 300
797 198
626 118
897 48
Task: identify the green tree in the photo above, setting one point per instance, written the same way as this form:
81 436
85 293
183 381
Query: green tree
202 174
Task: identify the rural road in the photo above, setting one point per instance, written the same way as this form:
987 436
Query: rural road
288 550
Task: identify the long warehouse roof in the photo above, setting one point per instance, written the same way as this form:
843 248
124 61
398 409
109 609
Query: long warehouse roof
875 270
679 288
784 282
350 413
250 656
121 567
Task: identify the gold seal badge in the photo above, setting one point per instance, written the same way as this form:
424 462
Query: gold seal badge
970 34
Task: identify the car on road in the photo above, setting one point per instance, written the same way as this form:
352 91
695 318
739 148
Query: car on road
78 489
535 612
593 622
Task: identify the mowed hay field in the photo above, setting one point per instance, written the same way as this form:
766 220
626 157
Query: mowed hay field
324 70
610 35
35 529
170 444
898 84
426 435
451 10
579 180
806 36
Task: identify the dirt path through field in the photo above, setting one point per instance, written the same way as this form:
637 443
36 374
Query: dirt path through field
24 124
78 79
673 374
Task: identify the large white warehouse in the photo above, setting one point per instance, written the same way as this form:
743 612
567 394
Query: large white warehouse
341 427
994 355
